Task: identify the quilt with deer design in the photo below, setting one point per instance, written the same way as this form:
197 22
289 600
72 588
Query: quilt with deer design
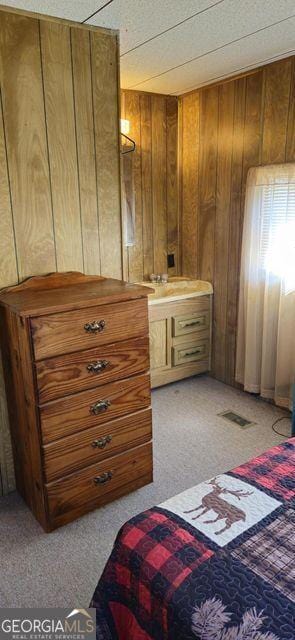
216 562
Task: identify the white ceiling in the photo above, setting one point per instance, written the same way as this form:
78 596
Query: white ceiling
173 46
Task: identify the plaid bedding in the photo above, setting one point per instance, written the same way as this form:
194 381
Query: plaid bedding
215 562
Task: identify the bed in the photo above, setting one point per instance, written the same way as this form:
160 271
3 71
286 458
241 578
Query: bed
215 562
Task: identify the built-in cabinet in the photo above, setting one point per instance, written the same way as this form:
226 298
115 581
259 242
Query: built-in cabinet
180 339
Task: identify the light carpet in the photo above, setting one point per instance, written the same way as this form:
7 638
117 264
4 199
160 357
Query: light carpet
191 444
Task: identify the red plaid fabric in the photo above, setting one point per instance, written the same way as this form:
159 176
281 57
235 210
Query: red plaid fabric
162 555
158 571
273 470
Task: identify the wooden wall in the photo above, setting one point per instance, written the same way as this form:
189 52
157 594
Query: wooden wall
153 126
59 158
224 130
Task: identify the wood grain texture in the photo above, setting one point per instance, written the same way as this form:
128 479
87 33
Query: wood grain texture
193 350
135 252
104 56
153 125
277 79
222 224
24 125
77 451
9 267
75 494
159 334
235 226
60 118
82 85
146 183
71 414
207 182
57 377
61 333
160 377
172 182
180 339
56 401
87 295
49 174
51 281
290 148
42 16
190 184
23 412
244 122
159 177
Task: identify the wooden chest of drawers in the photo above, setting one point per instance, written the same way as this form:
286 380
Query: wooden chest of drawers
76 360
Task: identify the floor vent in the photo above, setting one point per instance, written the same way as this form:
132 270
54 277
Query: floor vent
236 419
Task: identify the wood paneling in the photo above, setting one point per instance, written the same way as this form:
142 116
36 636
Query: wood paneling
159 180
25 133
190 184
135 252
104 55
146 183
290 150
82 85
172 183
60 119
222 223
153 126
207 161
277 79
242 123
235 227
59 157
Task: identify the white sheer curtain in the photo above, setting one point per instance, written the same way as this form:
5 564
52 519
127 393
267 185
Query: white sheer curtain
266 323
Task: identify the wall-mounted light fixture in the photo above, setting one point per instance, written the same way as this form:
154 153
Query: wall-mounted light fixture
124 130
124 126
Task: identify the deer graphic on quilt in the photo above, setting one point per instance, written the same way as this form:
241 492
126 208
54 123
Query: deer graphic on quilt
224 510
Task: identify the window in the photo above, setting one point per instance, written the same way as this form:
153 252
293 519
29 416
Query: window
266 337
277 245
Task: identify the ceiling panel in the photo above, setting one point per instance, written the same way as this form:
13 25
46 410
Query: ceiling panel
251 52
140 20
77 10
208 31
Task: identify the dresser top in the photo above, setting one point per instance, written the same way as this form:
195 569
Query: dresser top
53 293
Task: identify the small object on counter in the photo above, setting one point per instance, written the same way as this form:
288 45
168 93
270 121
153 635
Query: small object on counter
164 278
155 277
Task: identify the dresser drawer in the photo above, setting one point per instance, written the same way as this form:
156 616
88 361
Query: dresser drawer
98 484
190 352
95 444
60 418
71 331
61 376
191 323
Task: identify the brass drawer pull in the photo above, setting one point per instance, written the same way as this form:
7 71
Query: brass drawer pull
98 366
190 323
102 442
186 354
105 477
100 406
95 327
